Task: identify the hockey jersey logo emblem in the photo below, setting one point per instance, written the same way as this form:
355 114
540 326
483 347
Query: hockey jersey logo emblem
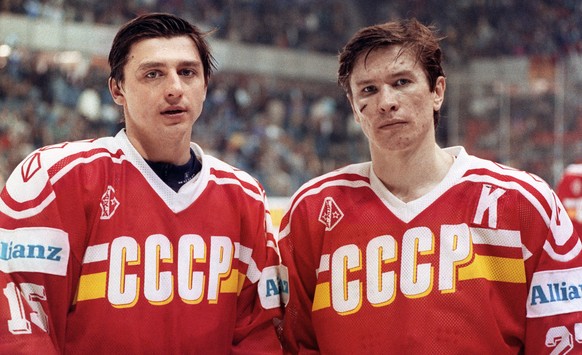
109 203
30 167
330 214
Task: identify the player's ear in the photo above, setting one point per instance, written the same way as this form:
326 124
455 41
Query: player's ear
439 92
205 91
116 92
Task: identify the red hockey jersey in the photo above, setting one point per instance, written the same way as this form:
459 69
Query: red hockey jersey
569 190
486 263
99 256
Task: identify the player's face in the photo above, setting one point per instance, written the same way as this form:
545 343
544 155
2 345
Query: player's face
163 91
392 102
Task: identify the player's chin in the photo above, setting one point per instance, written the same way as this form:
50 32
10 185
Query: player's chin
178 120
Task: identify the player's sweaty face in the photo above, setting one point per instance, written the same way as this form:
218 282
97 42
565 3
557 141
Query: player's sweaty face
163 90
392 101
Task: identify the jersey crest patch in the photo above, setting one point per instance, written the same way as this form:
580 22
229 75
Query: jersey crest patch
30 167
109 203
330 214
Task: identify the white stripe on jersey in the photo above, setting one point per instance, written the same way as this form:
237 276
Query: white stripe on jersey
310 192
27 212
561 234
46 158
84 160
231 181
222 166
323 264
253 272
499 237
272 245
96 253
570 255
496 237
511 185
21 191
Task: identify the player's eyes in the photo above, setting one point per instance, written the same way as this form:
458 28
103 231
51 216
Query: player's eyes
369 89
401 82
188 72
152 74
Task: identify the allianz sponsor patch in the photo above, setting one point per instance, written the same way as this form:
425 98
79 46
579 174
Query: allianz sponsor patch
38 249
270 288
555 292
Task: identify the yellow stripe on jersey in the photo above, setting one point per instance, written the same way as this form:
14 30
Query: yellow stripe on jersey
92 286
494 268
321 299
231 284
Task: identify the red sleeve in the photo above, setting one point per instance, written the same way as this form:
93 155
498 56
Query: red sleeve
297 333
554 305
259 299
35 256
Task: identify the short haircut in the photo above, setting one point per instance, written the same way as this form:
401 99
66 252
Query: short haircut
421 40
155 25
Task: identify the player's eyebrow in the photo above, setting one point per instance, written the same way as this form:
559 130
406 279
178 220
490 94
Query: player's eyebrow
403 72
154 64
396 74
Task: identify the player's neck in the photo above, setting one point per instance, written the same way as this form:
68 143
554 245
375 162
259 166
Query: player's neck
163 149
411 175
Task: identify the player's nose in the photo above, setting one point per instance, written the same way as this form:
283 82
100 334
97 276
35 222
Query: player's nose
387 99
174 86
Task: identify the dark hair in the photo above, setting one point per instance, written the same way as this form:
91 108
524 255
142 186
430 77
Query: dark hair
154 25
421 40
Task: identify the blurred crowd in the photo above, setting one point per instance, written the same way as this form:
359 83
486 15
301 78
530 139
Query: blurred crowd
473 27
280 130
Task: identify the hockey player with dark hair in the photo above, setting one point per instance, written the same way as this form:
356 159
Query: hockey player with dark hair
423 249
139 243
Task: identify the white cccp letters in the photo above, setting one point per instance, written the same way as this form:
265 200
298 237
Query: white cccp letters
123 288
415 279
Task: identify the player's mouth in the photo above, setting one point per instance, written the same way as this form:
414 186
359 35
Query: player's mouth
391 124
172 111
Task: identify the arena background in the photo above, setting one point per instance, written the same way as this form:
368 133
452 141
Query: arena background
274 109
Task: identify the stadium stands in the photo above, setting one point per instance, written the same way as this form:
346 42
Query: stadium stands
286 131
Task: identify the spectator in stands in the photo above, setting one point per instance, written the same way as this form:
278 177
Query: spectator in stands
30 78
569 190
